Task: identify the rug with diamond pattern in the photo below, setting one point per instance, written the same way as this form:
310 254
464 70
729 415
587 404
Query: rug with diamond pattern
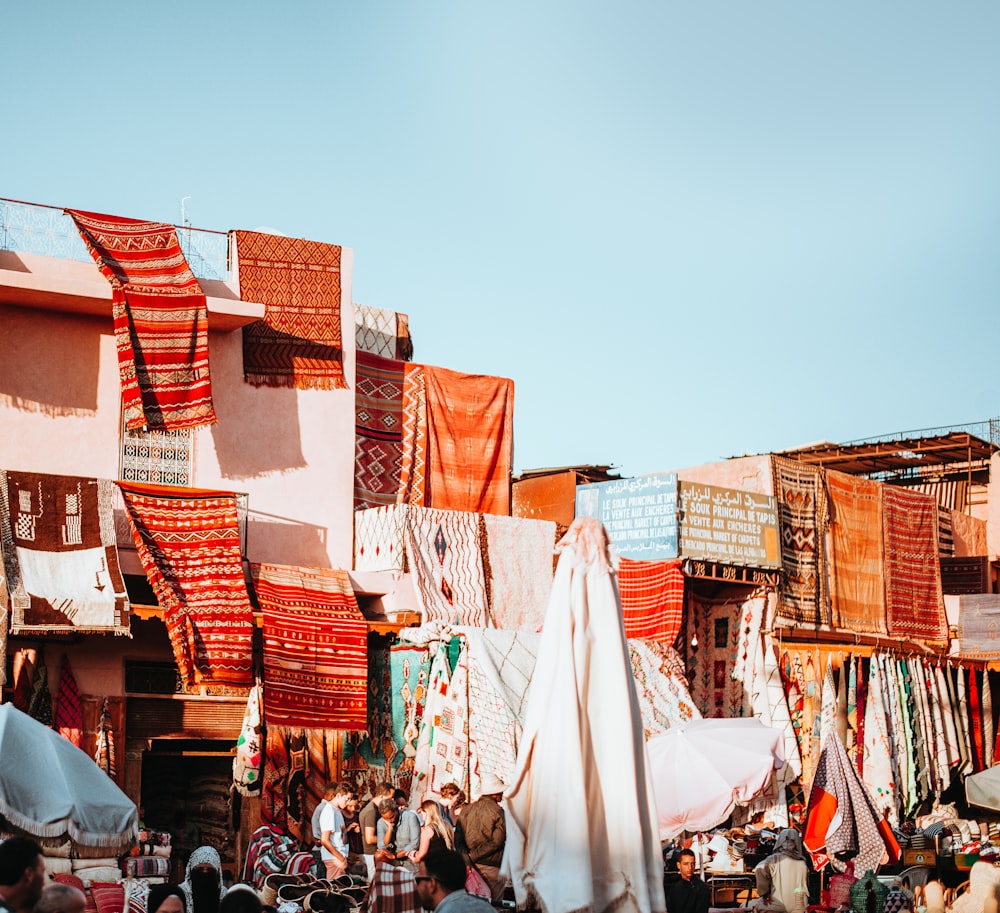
378 430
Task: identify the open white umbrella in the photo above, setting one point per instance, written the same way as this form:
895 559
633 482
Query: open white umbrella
51 788
703 769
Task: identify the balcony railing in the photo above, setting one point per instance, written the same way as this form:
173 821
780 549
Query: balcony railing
30 228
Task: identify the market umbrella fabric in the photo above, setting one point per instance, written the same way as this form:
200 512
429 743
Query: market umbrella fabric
983 789
721 763
580 812
57 790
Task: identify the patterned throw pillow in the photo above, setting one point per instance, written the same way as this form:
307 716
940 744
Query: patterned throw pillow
108 897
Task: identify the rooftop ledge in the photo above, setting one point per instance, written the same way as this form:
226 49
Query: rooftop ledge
73 287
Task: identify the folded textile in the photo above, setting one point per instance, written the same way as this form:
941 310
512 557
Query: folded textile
188 541
161 320
378 412
315 648
517 563
60 554
298 343
57 865
146 866
470 441
652 595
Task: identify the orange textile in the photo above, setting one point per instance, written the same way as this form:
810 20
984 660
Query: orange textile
470 441
652 599
413 468
857 572
298 343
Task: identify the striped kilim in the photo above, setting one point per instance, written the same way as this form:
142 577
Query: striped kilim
470 441
160 319
856 556
315 648
378 430
413 472
298 343
802 518
60 554
913 597
652 594
188 541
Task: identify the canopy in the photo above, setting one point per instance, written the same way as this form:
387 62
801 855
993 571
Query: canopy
50 788
983 789
580 813
703 769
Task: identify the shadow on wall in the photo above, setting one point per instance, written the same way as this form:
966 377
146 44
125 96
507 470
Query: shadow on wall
281 540
49 364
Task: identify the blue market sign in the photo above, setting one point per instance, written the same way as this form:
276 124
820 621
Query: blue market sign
639 514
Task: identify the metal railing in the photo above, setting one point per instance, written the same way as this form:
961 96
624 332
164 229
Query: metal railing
987 430
33 228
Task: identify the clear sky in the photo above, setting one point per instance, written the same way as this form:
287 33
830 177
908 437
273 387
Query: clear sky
686 230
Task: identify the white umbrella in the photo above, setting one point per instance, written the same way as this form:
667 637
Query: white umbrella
703 769
50 788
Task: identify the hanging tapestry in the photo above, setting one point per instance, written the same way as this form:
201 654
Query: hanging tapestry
802 515
946 535
968 535
979 626
442 550
470 441
517 565
249 748
652 594
104 754
274 798
913 597
712 641
40 705
660 685
382 332
69 706
378 430
61 554
188 541
413 473
160 319
379 537
856 558
315 648
298 343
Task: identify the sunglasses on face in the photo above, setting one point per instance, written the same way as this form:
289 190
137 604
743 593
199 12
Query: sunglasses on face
423 877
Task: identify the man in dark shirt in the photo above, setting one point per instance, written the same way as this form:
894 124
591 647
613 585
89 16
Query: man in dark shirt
368 821
481 833
690 894
22 874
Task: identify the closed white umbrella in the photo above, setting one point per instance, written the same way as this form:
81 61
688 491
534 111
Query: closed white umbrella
703 769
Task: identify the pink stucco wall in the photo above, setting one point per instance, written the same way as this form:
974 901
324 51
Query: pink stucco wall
752 473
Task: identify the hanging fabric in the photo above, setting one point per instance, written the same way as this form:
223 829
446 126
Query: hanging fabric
105 752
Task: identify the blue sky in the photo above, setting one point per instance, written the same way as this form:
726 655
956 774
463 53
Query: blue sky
687 231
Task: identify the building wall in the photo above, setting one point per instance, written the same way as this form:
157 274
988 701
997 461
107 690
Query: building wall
752 473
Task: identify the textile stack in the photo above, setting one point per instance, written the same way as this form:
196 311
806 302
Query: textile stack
150 860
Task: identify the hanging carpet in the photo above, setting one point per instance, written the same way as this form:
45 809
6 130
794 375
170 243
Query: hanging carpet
378 430
298 343
517 564
652 594
188 541
69 706
315 648
661 687
470 443
382 332
61 555
248 758
379 536
913 597
856 533
160 319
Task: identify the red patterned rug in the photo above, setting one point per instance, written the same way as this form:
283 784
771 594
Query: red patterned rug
413 472
315 648
161 321
298 343
470 443
378 415
188 540
913 600
61 554
652 595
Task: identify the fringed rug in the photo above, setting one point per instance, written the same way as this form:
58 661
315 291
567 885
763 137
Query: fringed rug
913 597
470 441
664 698
379 537
802 516
298 343
652 595
857 567
443 553
315 648
378 430
188 541
61 555
160 318
517 563
413 472
382 332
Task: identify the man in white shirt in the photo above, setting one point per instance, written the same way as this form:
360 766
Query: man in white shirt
333 840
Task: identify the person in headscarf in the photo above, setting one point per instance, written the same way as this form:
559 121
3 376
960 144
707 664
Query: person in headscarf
782 878
984 885
203 885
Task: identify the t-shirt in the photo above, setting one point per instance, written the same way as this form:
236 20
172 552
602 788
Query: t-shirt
316 829
368 818
688 896
381 829
332 820
407 834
